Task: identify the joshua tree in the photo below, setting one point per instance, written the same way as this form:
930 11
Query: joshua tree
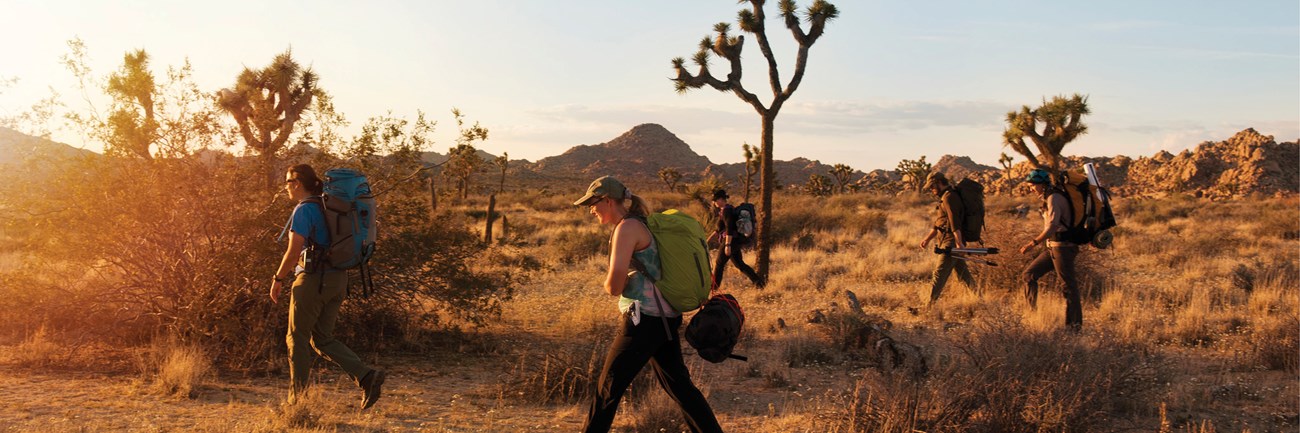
841 173
1005 160
754 22
914 172
1062 123
502 162
670 176
266 103
463 160
132 89
753 161
818 186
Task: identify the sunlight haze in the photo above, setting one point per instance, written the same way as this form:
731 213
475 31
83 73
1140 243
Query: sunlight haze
888 81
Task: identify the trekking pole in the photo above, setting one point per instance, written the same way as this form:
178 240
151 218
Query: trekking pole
974 260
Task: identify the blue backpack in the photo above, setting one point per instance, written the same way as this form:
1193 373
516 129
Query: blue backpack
349 210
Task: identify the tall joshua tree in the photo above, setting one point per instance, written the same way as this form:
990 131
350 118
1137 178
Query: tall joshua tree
754 22
267 102
1061 120
132 125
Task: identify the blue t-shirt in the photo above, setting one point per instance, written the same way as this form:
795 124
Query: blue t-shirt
309 222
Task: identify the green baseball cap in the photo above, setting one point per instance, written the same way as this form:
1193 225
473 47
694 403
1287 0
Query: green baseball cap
605 186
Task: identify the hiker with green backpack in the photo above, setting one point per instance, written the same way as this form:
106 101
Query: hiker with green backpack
651 311
948 227
317 290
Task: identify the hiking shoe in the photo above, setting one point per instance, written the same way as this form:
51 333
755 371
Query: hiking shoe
370 386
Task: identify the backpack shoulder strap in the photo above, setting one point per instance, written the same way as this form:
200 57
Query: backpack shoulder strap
312 199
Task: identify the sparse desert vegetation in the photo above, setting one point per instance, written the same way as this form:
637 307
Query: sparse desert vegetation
1191 324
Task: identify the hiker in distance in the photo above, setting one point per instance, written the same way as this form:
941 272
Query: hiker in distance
947 227
730 242
1059 254
316 292
648 326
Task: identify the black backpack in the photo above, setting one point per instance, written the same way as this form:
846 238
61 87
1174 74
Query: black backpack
971 195
714 330
746 221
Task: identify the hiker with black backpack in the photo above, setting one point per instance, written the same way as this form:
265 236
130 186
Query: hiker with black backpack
648 326
1061 251
730 242
316 293
948 222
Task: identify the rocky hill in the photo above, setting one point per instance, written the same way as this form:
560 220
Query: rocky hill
1248 163
638 153
957 167
19 148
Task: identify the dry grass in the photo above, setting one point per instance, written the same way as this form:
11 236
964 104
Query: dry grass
37 350
177 368
1196 306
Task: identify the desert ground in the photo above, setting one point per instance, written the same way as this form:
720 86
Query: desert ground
1191 323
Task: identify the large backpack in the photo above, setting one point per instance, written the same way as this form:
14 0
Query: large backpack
1090 214
349 210
714 331
971 195
683 259
746 219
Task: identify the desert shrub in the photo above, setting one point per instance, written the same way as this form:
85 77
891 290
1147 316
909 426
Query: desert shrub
797 215
177 368
567 373
185 247
1146 211
1277 344
655 412
568 246
800 349
1007 378
37 350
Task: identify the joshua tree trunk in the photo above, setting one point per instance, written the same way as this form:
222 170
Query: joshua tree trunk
492 208
433 194
765 200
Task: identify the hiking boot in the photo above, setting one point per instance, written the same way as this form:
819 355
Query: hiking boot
370 386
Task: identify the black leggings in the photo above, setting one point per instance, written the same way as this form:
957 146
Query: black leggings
736 258
632 348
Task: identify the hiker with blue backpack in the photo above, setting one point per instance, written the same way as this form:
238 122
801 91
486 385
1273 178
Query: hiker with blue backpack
649 321
731 241
317 290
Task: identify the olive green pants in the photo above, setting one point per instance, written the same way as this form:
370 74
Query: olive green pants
313 310
943 269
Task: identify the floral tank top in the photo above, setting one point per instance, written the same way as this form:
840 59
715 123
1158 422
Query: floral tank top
640 286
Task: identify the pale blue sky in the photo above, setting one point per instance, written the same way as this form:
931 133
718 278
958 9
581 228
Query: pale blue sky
889 80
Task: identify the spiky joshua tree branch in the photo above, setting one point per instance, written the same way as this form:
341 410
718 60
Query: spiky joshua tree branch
724 45
1061 119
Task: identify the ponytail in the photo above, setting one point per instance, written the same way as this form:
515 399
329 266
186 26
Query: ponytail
308 178
639 206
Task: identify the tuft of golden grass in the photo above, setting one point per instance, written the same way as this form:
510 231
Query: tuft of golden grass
174 367
37 350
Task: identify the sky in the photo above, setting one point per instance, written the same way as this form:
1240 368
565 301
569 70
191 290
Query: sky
890 80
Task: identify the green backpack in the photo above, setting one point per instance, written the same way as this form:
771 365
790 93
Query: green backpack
683 259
